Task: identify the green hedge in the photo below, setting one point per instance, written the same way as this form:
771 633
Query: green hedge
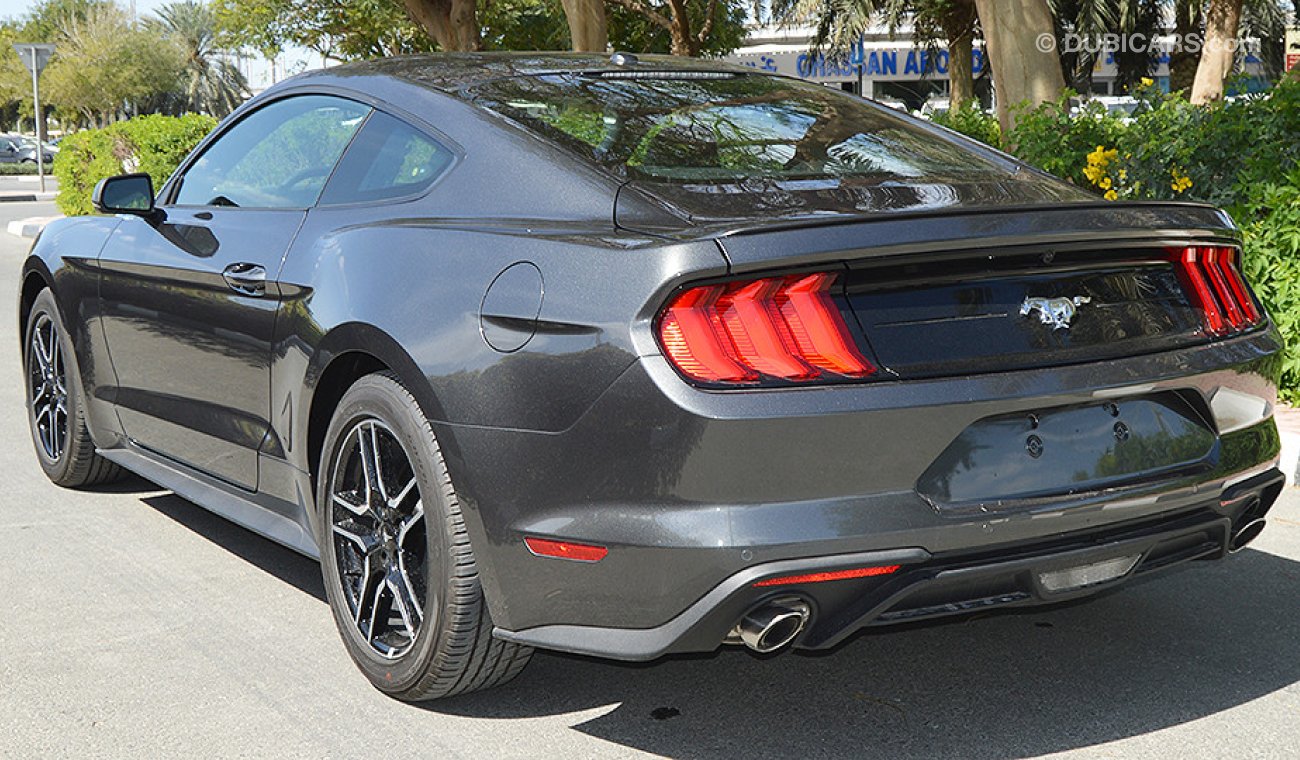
12 170
1243 156
152 144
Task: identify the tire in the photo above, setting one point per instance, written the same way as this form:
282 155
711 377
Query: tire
56 408
378 568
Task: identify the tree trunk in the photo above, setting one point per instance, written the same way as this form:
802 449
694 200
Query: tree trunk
453 24
588 30
1023 72
959 28
1217 51
683 42
1182 62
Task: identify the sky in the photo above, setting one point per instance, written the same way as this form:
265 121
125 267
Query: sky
258 70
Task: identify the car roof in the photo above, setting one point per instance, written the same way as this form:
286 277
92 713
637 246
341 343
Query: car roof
454 72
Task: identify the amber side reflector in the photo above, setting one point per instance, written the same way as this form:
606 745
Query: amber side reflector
544 547
834 575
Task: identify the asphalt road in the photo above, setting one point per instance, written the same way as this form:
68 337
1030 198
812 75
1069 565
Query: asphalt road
135 624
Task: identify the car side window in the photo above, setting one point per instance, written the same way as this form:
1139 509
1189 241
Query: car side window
276 157
388 159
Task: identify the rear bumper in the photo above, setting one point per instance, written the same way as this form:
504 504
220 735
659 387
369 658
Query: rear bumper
689 489
929 585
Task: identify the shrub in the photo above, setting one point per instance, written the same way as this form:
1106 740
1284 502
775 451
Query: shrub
1057 140
973 121
11 170
152 144
1271 260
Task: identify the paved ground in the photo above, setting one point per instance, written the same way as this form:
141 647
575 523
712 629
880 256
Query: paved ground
134 624
24 185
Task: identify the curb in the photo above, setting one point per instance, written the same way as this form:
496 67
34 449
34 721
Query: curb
49 195
31 226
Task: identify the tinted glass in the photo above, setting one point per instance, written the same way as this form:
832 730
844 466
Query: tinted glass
680 128
388 159
277 157
127 193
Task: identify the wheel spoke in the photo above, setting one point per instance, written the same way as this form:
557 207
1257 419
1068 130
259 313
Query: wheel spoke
408 607
367 463
410 522
356 509
365 589
364 538
385 579
397 500
378 464
374 613
38 352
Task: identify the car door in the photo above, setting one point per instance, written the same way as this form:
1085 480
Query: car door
189 299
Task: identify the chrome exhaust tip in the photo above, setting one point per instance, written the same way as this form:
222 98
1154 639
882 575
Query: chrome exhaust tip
773 625
1248 532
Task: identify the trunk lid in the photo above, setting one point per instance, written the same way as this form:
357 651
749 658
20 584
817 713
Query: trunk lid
944 294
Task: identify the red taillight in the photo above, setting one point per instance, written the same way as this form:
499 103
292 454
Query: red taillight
783 328
545 547
1216 287
833 575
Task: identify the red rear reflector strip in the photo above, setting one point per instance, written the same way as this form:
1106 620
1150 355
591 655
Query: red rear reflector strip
1190 266
1228 263
545 547
785 328
1213 265
1214 284
834 575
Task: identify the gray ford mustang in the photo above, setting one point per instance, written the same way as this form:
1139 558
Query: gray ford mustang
637 357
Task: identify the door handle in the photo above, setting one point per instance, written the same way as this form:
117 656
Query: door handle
246 279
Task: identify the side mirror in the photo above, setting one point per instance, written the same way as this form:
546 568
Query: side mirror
125 194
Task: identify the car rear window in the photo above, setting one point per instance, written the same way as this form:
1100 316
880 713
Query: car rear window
689 128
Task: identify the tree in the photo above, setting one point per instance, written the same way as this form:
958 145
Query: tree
453 24
1024 73
636 33
337 29
104 62
688 32
840 23
1089 21
1218 51
212 84
588 27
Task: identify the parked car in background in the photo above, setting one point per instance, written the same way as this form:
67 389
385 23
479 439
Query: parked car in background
11 149
27 151
631 357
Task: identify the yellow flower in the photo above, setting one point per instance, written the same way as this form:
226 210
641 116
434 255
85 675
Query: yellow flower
1147 81
1123 174
1180 181
1111 195
1105 183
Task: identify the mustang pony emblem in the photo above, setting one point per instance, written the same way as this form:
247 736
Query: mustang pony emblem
1056 312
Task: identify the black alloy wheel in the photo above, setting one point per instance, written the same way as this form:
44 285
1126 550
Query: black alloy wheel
377 523
396 559
47 387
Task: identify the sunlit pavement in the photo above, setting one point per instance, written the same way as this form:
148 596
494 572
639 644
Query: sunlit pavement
135 624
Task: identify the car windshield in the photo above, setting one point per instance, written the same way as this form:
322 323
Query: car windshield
720 128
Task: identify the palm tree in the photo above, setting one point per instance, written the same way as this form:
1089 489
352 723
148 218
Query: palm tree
212 84
840 22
